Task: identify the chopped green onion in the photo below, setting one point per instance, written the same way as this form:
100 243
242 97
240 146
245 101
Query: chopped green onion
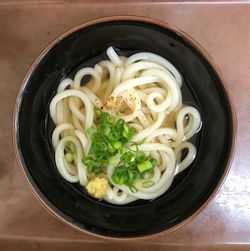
122 150
128 157
104 158
154 162
117 144
114 135
119 124
133 189
89 169
133 130
144 166
111 137
120 169
111 149
98 170
105 118
69 147
69 157
136 175
98 112
125 134
91 130
118 114
147 184
140 156
100 146
86 159
115 178
121 180
106 131
113 160
130 177
125 127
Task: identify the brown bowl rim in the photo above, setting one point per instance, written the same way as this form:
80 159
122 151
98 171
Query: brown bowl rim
125 18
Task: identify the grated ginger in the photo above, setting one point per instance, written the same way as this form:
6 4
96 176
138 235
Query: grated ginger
97 187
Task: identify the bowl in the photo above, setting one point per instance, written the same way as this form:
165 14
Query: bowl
203 87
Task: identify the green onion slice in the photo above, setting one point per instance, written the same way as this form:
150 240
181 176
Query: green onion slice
147 184
144 166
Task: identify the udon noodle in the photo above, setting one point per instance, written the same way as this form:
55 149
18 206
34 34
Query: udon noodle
143 92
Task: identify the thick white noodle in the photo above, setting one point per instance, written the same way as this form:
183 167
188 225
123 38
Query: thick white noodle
156 59
83 139
98 69
85 72
145 89
64 84
131 83
88 105
107 65
62 105
181 165
56 133
170 85
147 131
133 69
113 197
114 58
93 98
168 132
60 163
184 135
77 123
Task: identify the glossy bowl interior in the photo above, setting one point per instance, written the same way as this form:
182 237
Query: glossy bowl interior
203 88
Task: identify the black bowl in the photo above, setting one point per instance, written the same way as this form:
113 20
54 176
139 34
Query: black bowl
203 88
